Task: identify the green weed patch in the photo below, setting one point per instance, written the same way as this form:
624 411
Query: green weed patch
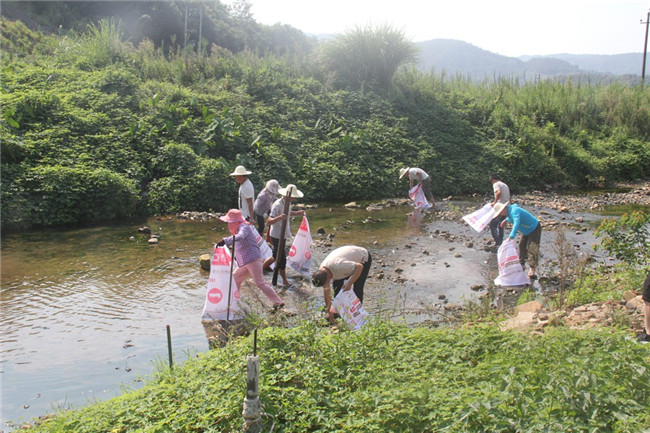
389 377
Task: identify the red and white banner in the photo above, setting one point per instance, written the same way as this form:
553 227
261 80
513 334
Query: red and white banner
219 284
418 197
511 273
300 253
480 219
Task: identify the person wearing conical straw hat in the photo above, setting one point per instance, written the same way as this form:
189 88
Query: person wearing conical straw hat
501 195
247 255
263 203
246 192
274 220
420 176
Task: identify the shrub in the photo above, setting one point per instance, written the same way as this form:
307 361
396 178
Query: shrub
56 195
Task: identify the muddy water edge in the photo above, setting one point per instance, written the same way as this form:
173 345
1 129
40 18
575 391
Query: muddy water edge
84 311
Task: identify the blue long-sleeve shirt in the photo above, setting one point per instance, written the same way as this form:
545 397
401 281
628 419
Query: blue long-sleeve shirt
521 220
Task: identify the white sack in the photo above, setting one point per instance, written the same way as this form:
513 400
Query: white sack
480 219
216 296
265 250
511 273
347 305
418 197
300 253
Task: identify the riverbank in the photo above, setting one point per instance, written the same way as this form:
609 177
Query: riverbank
429 270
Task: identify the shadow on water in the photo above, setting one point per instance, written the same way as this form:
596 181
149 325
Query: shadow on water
85 310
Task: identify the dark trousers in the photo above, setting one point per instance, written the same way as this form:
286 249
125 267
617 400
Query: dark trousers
358 285
528 242
426 189
259 219
497 232
281 256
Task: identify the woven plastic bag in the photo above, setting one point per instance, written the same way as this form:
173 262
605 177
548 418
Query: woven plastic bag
347 305
220 284
419 199
299 257
480 219
265 250
511 273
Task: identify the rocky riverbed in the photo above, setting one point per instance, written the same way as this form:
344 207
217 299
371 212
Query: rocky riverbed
437 267
433 275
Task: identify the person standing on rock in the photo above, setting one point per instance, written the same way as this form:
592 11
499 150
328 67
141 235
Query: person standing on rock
349 263
247 255
531 233
263 203
417 175
274 220
501 195
246 192
644 336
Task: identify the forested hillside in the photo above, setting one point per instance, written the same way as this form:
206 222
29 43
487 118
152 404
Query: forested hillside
98 126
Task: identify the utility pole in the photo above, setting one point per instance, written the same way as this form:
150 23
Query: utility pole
645 48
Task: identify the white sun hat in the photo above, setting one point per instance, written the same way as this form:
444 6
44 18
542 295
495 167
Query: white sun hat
240 171
499 207
272 186
295 192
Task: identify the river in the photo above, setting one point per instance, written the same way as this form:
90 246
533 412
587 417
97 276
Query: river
85 310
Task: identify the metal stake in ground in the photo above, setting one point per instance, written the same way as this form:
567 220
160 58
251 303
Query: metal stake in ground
252 411
281 241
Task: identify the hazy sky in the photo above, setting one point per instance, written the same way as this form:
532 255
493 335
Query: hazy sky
506 27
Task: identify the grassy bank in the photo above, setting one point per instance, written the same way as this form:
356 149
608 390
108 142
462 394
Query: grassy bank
389 377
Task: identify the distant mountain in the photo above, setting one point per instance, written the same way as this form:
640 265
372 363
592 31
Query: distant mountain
458 57
617 64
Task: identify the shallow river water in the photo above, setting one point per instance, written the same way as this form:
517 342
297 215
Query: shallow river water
84 311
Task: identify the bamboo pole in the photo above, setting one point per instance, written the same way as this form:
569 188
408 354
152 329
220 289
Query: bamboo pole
232 264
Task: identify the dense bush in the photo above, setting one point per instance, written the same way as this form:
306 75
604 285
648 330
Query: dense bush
54 195
171 124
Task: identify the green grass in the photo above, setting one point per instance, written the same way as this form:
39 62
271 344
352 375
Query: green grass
389 377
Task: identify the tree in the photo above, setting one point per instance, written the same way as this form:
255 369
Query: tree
366 56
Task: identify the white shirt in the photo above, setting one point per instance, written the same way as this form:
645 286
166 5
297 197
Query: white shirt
276 210
505 191
341 262
413 173
246 191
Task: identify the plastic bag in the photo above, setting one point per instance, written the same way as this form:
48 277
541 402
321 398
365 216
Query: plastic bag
219 283
300 253
418 197
511 273
480 219
347 305
264 247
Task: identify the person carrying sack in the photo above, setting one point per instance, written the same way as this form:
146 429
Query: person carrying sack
421 176
345 268
501 195
531 233
247 254
276 216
